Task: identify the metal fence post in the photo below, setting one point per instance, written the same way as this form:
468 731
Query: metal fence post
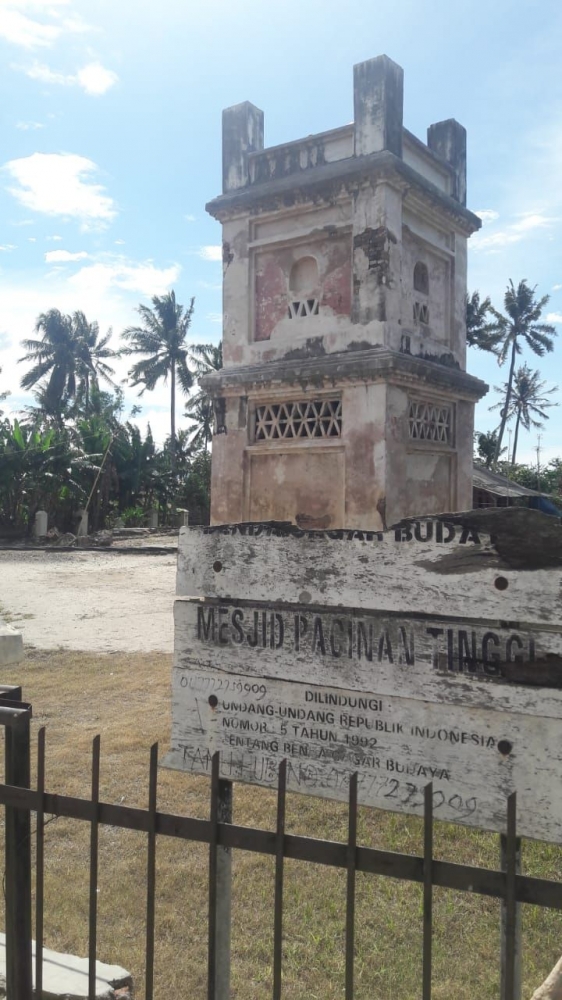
220 889
16 716
510 924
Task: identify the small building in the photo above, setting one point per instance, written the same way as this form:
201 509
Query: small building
344 399
490 489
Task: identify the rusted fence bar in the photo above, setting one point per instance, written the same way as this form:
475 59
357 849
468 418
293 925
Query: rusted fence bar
151 871
350 896
15 716
409 867
220 879
510 911
40 864
427 890
279 875
94 844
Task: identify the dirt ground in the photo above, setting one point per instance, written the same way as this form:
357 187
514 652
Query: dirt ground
91 601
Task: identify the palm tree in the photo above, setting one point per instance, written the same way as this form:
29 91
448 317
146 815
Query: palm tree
486 446
55 358
3 395
47 412
522 324
199 409
528 401
67 362
93 357
162 337
206 358
480 332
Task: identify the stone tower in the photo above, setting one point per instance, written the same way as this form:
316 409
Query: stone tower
344 400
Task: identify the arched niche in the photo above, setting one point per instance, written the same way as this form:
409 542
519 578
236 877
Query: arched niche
421 278
304 276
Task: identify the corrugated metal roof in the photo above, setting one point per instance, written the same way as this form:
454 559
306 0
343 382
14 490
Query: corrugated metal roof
485 479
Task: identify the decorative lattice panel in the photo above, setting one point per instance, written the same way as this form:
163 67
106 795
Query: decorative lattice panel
429 422
303 308
318 418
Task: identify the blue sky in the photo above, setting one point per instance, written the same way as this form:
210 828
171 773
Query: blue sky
110 120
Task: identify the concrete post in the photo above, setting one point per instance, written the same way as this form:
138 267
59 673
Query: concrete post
83 524
40 524
153 518
242 133
378 102
448 140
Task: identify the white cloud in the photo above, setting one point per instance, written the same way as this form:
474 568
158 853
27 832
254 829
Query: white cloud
119 272
495 241
41 72
19 29
94 78
62 256
554 318
526 225
55 239
58 184
33 24
8 247
189 218
32 239
556 288
487 215
213 253
530 222
119 243
29 126
214 317
212 286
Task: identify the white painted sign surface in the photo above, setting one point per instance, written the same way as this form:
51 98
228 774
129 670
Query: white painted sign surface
432 659
475 758
429 653
455 571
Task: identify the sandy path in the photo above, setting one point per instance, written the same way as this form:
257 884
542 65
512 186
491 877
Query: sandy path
89 601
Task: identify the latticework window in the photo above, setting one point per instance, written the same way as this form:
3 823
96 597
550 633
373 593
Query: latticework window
318 418
421 313
429 422
302 308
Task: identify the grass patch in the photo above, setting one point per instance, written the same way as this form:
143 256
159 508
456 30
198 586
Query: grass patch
126 699
13 617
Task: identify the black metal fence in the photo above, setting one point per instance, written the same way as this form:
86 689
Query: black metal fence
19 801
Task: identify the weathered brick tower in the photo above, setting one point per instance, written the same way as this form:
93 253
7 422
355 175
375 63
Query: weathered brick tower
344 400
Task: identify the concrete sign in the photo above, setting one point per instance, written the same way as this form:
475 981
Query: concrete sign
428 653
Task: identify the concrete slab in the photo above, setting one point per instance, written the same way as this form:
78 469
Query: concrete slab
66 976
11 645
